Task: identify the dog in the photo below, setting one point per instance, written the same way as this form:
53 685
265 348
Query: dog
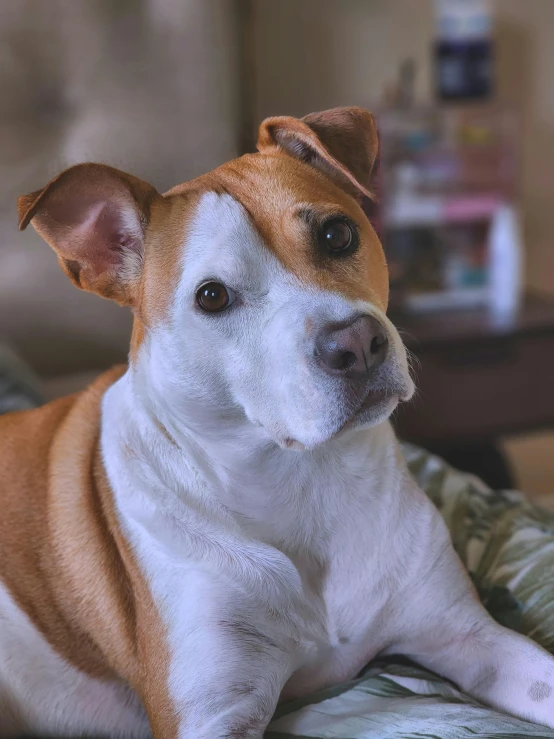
229 521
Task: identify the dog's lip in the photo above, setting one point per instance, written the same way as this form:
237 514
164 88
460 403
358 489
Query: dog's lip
375 396
352 421
372 399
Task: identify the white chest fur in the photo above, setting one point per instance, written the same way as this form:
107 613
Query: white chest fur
299 547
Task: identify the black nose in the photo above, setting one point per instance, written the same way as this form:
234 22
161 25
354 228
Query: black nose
352 349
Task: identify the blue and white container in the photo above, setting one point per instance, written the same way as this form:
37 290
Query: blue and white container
506 265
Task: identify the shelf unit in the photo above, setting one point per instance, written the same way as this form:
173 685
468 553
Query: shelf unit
442 174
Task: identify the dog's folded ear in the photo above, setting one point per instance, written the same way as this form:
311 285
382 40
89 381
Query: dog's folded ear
341 142
95 218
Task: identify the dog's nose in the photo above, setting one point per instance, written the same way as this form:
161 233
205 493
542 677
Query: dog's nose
352 349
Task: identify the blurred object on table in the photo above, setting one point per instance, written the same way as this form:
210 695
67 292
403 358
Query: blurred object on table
445 174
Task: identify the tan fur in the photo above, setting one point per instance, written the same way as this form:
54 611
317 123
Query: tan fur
287 185
62 555
94 261
164 254
342 142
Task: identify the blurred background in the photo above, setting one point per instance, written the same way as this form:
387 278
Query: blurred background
463 97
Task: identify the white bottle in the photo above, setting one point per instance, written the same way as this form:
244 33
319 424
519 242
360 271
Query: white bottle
506 265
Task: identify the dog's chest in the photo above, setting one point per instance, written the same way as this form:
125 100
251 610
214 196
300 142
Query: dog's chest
298 556
351 590
329 600
337 537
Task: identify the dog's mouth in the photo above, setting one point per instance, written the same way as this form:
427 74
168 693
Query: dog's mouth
375 397
375 404
375 407
355 408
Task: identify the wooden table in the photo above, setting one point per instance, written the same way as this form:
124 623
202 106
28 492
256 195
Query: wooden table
478 381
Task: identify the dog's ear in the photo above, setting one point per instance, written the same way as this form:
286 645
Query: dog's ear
341 142
95 218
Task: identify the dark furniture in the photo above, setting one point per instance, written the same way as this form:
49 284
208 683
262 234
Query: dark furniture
477 382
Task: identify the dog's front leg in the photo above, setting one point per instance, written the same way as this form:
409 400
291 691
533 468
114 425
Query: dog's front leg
445 628
223 682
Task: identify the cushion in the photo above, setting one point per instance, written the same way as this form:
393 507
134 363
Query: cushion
19 387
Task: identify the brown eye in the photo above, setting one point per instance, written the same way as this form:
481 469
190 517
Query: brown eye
214 297
337 236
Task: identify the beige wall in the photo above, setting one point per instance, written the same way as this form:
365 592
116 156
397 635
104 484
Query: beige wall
315 54
526 68
145 85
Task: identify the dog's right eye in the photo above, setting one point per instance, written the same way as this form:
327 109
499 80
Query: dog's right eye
338 237
214 297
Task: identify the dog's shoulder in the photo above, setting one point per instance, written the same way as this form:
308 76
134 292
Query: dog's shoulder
40 445
47 489
26 437
25 441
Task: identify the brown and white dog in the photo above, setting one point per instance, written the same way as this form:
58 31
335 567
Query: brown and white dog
229 520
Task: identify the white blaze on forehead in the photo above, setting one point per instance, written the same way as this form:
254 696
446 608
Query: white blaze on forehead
222 242
218 220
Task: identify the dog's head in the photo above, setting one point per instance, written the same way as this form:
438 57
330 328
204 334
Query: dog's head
259 289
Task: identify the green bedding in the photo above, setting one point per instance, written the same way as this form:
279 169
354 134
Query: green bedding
507 545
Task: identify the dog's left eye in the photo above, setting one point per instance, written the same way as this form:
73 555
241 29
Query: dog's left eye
214 297
338 237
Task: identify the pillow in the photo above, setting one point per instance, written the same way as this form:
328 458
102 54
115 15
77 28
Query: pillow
19 388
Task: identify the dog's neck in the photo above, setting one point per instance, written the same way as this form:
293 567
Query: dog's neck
239 466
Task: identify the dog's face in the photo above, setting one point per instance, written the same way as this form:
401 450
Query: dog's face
259 290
